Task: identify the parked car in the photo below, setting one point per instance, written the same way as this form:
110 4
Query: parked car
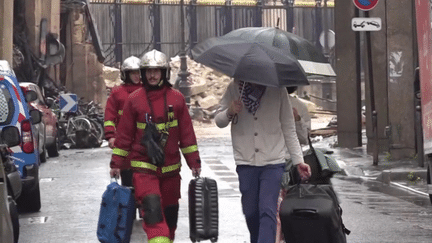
48 129
14 111
6 227
10 182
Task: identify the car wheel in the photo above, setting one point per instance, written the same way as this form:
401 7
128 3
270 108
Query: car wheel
43 155
53 150
15 218
30 201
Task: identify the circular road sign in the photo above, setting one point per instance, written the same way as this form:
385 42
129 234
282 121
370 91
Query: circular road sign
365 5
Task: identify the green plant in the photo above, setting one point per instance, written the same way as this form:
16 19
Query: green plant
413 178
388 156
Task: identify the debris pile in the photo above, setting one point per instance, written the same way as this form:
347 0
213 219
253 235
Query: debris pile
111 76
207 86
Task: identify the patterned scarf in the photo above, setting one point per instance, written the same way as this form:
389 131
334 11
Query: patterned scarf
251 95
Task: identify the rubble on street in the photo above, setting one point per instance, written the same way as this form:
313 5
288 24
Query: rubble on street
208 86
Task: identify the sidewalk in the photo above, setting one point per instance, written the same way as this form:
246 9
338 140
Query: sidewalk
405 174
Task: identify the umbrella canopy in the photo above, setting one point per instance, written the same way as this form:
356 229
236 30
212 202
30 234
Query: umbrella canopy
250 62
310 57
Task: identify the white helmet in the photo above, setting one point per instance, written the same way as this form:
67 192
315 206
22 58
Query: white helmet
156 59
129 64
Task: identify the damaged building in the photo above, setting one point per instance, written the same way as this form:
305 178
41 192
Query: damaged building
54 44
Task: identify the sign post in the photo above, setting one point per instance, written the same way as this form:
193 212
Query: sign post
365 5
369 24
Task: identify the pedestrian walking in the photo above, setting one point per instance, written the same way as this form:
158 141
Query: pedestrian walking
154 128
131 77
263 133
301 116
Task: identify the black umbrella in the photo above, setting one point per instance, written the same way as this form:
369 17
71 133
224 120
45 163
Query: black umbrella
250 62
309 56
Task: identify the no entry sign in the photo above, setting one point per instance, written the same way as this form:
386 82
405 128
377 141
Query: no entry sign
365 5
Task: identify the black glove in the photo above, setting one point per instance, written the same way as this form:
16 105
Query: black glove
150 141
155 153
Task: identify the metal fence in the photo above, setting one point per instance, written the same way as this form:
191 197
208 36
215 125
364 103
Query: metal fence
129 29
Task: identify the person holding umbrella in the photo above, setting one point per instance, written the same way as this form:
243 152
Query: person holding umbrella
263 133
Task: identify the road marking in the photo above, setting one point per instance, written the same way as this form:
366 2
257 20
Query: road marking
33 220
409 189
46 179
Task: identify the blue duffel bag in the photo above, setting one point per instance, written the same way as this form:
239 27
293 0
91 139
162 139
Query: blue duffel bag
116 214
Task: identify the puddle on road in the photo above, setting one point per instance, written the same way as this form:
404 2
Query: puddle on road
400 193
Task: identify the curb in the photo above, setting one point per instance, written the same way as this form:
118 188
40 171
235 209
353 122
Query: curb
394 178
387 176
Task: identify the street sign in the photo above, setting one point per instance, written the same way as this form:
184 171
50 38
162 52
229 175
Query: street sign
68 103
366 24
365 5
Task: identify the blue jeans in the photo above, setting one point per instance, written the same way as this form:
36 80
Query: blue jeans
259 186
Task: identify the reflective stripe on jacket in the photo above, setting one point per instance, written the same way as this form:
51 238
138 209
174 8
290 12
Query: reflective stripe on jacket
114 106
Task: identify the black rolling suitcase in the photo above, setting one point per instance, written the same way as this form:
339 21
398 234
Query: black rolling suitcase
311 213
203 210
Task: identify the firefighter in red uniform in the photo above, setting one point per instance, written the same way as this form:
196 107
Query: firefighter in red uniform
154 128
131 76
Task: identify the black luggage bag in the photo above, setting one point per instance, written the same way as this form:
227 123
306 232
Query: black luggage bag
311 213
203 210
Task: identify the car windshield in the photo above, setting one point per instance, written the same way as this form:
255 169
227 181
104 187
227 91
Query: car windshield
6 105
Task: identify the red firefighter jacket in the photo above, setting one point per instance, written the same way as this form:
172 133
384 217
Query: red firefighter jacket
178 124
114 107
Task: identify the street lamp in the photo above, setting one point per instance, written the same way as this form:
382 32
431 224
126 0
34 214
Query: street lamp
182 82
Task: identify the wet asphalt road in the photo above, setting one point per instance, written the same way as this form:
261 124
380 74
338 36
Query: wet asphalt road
72 186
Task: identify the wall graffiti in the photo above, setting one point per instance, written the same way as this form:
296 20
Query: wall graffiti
396 65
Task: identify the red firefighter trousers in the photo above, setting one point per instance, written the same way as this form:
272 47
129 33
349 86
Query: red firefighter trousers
168 189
